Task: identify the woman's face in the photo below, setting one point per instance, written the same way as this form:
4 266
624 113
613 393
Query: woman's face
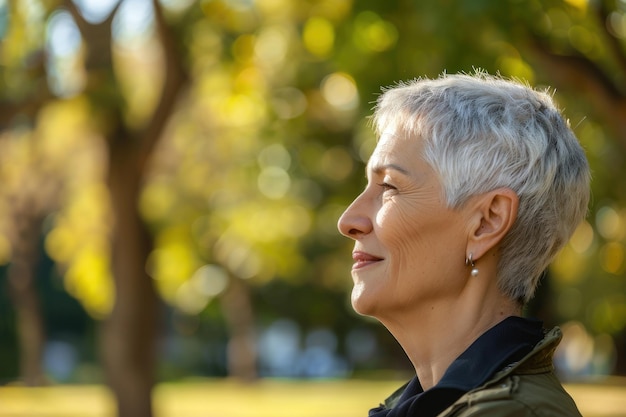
409 249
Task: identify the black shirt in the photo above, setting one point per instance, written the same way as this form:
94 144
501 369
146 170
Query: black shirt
505 343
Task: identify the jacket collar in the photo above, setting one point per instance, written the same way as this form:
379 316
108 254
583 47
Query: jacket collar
539 360
506 381
507 342
510 341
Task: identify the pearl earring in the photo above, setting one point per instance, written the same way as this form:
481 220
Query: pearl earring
470 262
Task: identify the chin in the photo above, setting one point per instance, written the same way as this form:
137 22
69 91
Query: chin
362 304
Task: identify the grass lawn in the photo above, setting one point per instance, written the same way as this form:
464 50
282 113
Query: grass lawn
267 398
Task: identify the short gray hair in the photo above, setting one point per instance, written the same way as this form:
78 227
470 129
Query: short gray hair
483 132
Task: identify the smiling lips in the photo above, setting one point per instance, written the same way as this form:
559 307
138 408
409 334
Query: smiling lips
363 259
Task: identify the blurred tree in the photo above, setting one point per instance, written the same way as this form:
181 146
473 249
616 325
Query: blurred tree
29 196
579 47
289 83
241 182
130 329
29 188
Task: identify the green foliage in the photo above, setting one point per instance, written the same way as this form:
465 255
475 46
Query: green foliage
268 144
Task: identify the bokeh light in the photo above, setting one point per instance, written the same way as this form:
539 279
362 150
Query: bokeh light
274 182
612 258
609 223
582 238
339 89
318 36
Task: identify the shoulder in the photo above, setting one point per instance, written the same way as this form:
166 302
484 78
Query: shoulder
538 395
528 388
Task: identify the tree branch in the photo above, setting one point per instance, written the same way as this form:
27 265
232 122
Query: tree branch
584 75
96 36
175 79
39 93
614 44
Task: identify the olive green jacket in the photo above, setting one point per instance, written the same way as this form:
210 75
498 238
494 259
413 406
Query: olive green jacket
528 388
522 389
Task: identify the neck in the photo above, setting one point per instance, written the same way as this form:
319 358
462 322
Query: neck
434 335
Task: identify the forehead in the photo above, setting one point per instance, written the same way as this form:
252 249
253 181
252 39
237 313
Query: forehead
397 150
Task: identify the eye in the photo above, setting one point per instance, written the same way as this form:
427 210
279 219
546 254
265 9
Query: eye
386 186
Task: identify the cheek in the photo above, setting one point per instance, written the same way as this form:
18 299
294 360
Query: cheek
405 231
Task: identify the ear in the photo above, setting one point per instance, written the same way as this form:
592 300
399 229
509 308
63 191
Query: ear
493 216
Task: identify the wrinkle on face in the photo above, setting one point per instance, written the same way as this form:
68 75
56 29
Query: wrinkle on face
412 229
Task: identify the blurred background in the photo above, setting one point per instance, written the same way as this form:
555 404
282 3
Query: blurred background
171 174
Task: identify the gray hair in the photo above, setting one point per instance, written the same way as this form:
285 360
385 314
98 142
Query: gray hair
483 132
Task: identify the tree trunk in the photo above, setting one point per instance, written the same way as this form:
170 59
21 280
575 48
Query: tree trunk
21 278
129 333
238 312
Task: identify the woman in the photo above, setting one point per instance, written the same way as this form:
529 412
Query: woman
475 184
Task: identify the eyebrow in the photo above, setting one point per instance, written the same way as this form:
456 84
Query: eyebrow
377 169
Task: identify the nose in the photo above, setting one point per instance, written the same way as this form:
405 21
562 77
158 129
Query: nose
354 222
